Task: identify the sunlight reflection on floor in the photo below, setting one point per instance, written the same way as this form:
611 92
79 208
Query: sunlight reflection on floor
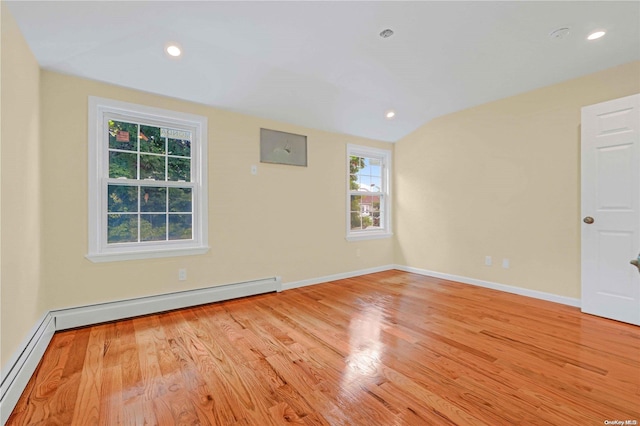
364 340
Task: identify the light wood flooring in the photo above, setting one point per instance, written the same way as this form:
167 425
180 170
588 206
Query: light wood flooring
391 348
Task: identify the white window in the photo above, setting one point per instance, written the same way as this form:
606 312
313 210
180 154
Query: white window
368 193
147 182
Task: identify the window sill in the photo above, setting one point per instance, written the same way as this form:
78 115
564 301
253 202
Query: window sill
368 236
147 254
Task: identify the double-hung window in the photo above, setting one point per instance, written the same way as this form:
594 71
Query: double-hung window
368 195
147 182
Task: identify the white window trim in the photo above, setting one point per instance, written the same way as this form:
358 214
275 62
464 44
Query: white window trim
99 250
385 156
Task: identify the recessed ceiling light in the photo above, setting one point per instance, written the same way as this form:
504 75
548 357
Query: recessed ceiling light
173 50
596 35
390 114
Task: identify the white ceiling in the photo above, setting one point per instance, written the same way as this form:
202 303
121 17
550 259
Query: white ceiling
323 64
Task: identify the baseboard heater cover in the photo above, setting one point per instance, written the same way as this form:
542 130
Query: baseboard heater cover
22 367
112 311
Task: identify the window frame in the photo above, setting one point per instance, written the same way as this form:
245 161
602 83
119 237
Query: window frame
384 156
100 111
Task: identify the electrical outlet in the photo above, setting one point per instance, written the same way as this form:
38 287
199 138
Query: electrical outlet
487 260
254 170
357 252
505 263
182 274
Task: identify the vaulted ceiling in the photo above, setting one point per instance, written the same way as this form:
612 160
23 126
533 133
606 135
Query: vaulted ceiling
323 64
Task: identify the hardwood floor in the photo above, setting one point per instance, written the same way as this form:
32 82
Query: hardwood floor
390 348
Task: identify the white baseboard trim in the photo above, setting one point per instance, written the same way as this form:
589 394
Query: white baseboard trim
495 286
334 277
22 366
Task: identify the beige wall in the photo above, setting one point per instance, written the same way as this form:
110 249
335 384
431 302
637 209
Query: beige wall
502 180
21 292
286 221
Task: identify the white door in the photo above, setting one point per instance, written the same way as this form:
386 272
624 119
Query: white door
611 209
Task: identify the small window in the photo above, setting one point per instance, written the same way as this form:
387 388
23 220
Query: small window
147 189
368 195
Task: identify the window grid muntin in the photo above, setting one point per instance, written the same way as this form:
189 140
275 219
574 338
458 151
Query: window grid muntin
383 158
367 159
139 183
364 193
98 110
139 212
138 152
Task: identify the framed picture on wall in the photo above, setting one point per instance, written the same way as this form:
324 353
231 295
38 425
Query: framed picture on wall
283 148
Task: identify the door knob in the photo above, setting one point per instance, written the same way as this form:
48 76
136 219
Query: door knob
636 263
588 220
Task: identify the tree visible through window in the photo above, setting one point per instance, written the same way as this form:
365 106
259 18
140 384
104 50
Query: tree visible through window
142 161
147 187
368 191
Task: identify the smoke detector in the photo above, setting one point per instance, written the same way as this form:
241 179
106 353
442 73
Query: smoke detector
559 33
386 33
